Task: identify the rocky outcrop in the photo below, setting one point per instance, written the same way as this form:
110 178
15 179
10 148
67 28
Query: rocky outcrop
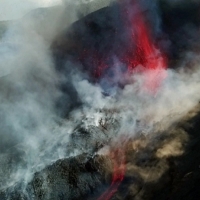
73 178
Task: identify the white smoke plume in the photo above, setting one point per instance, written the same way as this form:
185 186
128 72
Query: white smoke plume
30 129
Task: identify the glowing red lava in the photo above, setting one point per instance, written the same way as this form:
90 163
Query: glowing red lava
118 159
143 51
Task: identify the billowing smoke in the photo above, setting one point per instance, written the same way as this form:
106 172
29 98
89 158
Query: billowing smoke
46 92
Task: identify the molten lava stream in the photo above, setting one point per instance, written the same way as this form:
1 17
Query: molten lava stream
118 159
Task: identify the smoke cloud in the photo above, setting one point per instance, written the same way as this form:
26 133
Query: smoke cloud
35 95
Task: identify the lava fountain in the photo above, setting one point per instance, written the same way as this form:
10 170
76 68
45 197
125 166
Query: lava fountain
143 51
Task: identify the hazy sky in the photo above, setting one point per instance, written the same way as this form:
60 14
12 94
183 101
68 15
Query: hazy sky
13 9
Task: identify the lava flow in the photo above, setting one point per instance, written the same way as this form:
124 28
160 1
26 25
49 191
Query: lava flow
118 159
142 51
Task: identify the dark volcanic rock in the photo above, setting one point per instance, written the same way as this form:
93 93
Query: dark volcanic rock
162 165
72 179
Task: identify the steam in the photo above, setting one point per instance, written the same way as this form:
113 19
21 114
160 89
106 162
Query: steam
32 133
30 130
